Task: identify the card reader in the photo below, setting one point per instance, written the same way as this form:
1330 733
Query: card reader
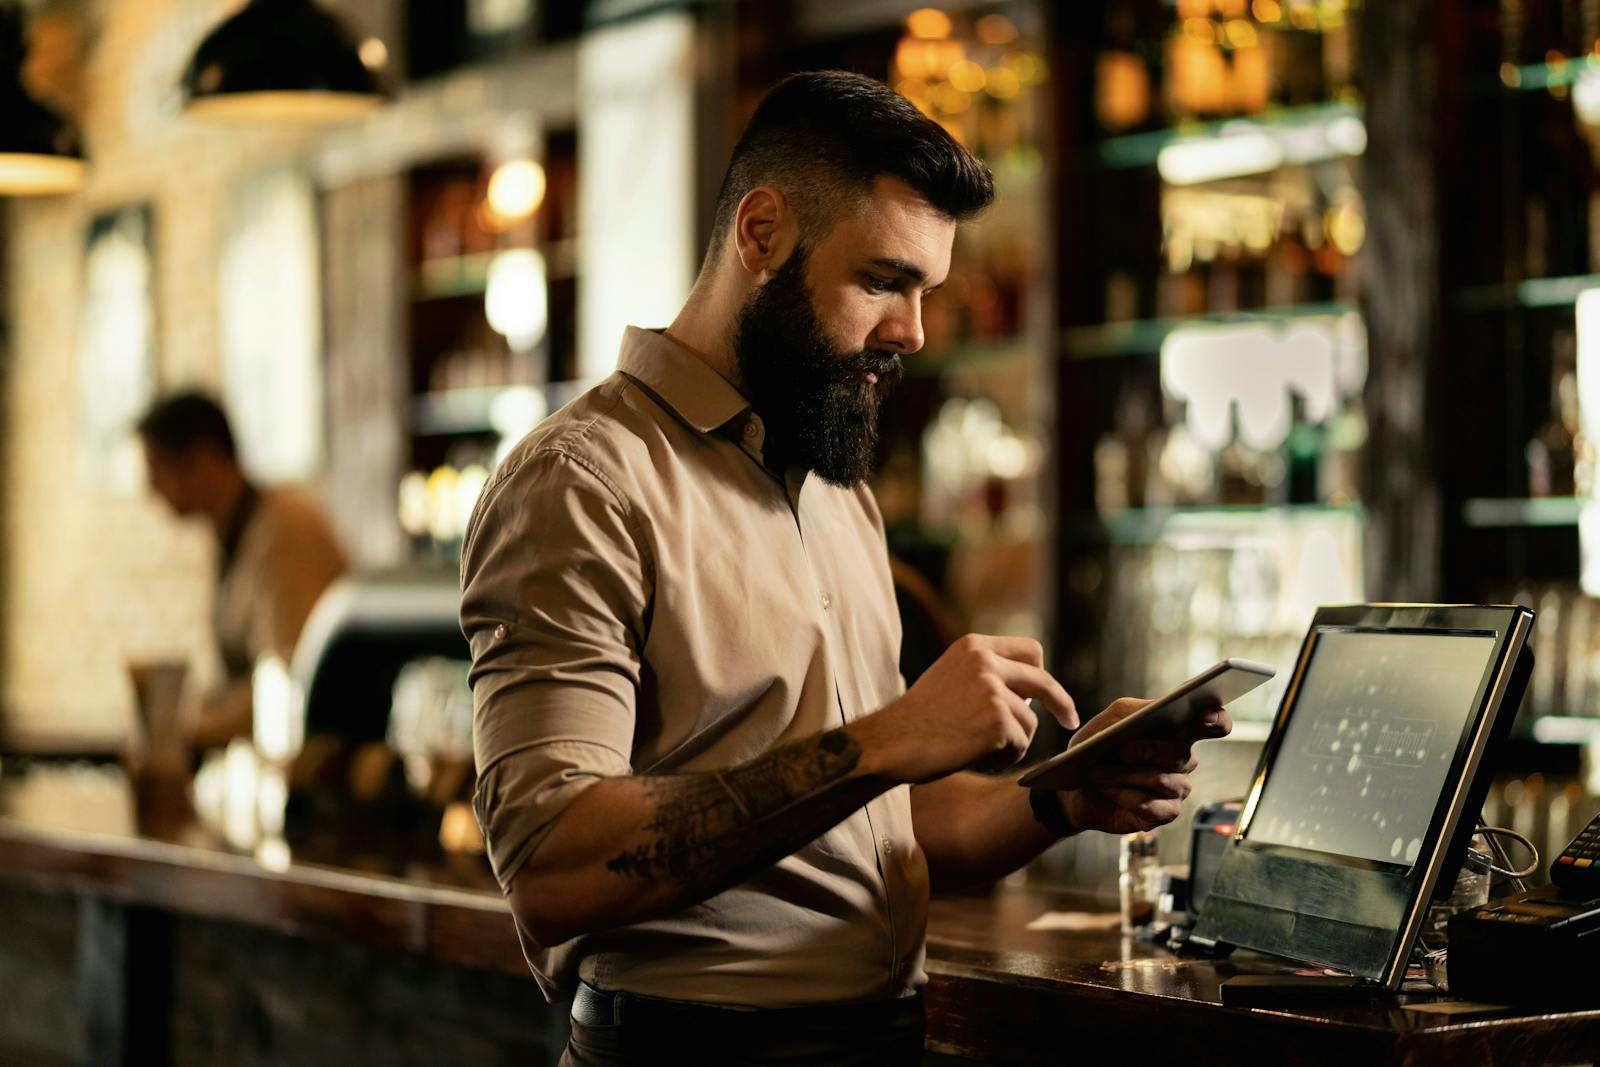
1533 948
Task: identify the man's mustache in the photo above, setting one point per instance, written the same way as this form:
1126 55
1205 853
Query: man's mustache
886 365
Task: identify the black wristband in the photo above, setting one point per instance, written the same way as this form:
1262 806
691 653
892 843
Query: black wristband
1048 812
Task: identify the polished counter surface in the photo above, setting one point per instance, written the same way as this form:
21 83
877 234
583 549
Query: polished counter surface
998 991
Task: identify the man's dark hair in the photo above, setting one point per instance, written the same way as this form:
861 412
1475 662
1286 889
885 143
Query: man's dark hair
822 139
182 421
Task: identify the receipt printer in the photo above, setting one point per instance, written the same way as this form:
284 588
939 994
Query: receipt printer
1213 829
1536 948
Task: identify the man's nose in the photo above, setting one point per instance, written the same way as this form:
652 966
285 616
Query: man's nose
902 329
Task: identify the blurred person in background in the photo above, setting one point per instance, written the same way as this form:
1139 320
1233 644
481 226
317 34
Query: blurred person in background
276 551
715 806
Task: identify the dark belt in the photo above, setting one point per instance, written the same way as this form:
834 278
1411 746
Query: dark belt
598 1007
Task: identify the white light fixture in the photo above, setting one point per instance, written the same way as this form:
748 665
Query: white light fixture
517 300
1250 371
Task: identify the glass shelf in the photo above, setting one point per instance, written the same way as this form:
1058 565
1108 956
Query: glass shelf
1533 77
1136 526
928 363
1565 730
1143 337
1533 293
487 409
1309 134
1490 512
444 277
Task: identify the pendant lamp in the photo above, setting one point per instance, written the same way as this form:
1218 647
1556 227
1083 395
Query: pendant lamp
286 61
39 151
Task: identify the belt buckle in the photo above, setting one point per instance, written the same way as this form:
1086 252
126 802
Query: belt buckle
596 1007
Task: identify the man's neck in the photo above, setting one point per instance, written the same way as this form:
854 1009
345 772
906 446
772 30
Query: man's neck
705 327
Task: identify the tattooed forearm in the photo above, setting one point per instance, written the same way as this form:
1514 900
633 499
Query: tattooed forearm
710 830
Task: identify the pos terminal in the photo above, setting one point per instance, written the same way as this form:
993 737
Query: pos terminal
1369 785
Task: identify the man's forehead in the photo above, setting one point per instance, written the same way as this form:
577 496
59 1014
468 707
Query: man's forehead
898 223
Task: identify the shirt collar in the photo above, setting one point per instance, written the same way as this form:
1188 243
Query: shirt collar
681 380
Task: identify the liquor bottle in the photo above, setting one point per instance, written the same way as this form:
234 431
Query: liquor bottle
1552 452
1137 869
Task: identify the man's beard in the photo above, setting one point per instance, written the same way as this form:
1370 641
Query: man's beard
819 410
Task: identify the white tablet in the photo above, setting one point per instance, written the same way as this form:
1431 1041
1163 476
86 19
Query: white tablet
1215 686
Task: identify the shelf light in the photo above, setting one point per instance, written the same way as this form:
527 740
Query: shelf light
1588 339
1586 97
516 299
1212 159
1243 147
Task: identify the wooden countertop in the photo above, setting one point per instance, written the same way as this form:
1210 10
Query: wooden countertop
996 990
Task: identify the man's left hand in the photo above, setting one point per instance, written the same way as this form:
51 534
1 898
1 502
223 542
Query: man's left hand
1145 787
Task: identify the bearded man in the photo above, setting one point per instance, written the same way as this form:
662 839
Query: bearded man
712 801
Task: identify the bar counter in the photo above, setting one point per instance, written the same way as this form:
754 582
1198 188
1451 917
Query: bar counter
124 944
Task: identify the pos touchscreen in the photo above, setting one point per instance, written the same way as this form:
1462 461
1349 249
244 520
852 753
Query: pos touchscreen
1370 783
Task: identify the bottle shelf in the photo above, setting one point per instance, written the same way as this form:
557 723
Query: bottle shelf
1143 337
1492 513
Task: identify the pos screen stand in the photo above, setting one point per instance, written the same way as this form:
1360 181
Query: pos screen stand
1366 793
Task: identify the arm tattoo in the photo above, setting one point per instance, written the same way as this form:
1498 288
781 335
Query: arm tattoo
709 831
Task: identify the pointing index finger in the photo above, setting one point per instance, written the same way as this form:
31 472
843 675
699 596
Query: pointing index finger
1035 683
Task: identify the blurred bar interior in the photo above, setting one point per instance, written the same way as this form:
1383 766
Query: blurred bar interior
1282 303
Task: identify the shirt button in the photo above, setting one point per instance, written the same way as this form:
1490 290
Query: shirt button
500 632
827 601
888 846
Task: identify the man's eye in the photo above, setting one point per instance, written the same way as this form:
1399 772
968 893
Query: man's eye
880 285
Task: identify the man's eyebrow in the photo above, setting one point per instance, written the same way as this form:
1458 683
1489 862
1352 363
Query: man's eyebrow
909 270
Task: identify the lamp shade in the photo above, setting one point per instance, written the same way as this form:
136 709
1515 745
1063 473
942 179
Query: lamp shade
39 150
279 61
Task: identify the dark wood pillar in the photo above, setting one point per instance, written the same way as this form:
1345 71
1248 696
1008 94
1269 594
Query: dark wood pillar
1401 299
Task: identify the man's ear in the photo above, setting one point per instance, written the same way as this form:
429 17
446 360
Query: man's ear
765 231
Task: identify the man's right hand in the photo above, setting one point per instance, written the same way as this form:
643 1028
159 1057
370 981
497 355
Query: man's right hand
968 711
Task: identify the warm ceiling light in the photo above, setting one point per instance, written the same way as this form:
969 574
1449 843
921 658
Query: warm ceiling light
967 76
928 23
996 29
281 61
39 152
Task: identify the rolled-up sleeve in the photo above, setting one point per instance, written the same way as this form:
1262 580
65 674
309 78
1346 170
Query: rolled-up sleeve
555 591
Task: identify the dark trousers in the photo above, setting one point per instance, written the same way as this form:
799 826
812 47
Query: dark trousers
617 1029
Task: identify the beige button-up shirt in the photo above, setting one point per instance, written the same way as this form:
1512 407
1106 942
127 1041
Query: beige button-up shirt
643 595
